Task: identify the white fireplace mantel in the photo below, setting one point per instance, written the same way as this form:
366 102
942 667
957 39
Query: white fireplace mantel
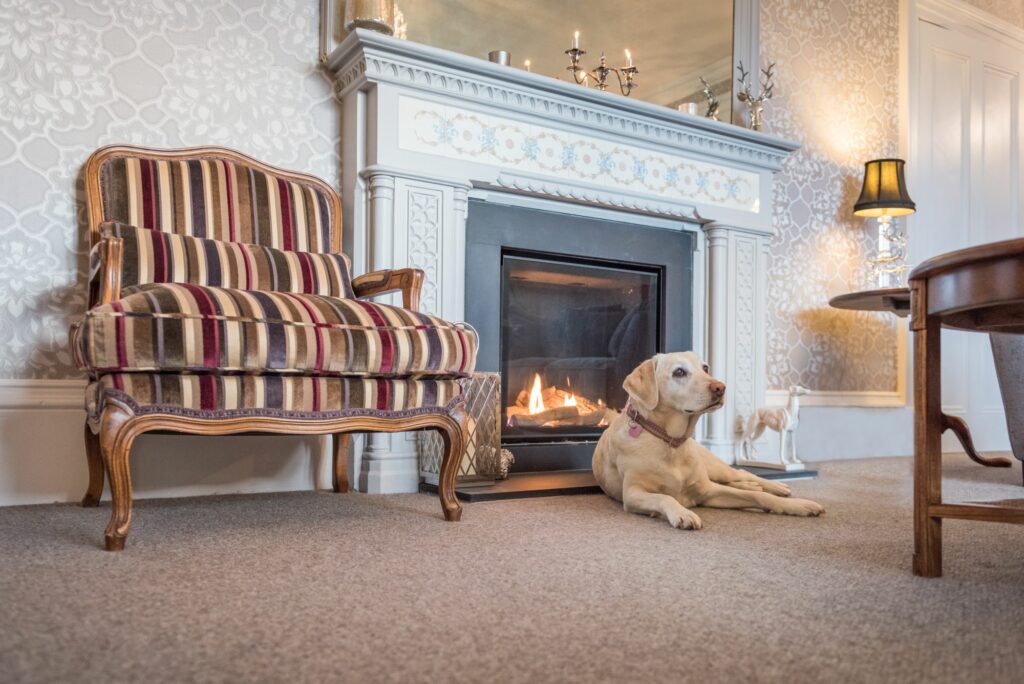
425 129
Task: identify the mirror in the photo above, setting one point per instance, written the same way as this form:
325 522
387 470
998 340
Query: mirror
673 42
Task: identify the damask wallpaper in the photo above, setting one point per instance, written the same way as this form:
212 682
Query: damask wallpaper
77 74
836 93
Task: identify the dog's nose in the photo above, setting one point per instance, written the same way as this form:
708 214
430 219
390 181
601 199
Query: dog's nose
716 387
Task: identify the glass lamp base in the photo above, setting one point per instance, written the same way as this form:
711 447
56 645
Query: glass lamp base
889 275
890 266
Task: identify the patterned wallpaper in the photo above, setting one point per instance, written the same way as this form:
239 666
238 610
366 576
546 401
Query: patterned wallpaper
836 93
1007 10
77 74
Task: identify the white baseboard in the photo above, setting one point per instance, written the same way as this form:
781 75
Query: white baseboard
42 457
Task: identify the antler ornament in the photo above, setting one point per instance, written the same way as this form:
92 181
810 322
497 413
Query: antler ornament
756 104
709 95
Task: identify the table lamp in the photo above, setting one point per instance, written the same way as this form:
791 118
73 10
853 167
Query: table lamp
884 196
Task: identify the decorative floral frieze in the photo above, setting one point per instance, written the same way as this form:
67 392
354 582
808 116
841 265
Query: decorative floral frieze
431 128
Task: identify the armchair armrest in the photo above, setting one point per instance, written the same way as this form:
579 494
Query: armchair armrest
407 280
105 271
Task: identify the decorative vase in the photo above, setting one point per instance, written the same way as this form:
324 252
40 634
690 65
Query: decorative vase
375 15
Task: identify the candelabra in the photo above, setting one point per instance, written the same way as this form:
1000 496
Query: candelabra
600 73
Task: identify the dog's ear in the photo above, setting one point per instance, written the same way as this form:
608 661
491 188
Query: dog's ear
642 385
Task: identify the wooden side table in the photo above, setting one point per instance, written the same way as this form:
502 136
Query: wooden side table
896 300
977 289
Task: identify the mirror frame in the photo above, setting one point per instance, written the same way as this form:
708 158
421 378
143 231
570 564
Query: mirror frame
746 47
746 40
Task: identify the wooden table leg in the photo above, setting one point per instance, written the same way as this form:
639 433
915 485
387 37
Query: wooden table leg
928 427
963 433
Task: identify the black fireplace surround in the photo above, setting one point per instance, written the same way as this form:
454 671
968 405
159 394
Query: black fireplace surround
571 303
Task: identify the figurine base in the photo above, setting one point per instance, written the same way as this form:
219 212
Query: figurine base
787 467
776 474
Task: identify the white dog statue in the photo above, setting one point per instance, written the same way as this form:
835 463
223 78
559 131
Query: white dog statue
784 421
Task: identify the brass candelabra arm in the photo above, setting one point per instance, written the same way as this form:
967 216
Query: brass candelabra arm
625 75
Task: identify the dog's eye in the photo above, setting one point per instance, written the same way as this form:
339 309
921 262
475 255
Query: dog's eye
679 373
707 369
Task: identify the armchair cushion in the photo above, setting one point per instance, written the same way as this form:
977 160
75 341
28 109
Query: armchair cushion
217 396
152 256
189 328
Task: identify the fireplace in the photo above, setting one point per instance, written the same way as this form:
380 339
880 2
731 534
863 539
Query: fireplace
568 301
434 143
571 329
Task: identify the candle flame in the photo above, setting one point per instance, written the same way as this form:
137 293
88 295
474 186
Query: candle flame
536 397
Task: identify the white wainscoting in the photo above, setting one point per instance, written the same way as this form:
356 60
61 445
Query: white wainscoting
42 457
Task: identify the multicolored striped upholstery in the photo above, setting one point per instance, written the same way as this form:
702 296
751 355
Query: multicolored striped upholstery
217 198
222 395
151 256
188 328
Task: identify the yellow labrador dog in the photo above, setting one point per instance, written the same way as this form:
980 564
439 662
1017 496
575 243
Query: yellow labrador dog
648 459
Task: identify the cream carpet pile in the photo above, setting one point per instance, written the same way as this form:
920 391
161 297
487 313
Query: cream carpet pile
316 587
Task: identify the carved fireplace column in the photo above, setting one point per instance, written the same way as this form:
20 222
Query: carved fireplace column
737 266
389 462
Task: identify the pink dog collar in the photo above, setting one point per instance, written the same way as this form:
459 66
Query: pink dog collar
639 424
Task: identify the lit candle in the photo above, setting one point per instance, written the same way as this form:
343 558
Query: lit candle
527 64
629 57
576 41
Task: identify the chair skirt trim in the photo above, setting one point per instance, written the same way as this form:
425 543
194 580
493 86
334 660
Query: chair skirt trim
121 421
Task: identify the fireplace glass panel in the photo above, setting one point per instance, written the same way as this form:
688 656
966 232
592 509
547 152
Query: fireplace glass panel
571 331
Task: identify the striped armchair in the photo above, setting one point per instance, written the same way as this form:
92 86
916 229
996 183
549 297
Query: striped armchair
220 303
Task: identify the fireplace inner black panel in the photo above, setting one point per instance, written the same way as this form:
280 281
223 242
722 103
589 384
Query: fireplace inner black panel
572 303
572 328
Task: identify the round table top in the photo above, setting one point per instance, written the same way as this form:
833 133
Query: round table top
890 299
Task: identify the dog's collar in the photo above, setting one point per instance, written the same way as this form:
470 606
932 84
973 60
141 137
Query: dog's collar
653 428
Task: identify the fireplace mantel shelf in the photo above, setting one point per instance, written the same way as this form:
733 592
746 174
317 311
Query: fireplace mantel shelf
369 56
425 130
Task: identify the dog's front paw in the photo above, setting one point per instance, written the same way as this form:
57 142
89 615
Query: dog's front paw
776 488
684 519
802 507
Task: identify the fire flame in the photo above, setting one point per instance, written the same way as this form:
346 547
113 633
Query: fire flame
536 397
570 400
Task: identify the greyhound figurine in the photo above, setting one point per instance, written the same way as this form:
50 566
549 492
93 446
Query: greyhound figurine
782 420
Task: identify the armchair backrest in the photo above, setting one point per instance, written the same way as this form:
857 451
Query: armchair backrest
213 193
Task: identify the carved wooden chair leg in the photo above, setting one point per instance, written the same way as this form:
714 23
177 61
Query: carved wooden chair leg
963 433
115 445
95 460
454 437
342 440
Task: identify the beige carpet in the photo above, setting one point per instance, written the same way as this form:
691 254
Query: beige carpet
313 587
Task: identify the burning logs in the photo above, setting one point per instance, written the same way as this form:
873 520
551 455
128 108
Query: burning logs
553 407
562 414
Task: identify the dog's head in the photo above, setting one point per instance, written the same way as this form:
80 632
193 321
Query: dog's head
678 381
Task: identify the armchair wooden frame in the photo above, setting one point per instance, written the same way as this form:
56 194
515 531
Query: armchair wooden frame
108 444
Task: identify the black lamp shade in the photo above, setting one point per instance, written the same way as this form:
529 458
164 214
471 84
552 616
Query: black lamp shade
885 190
